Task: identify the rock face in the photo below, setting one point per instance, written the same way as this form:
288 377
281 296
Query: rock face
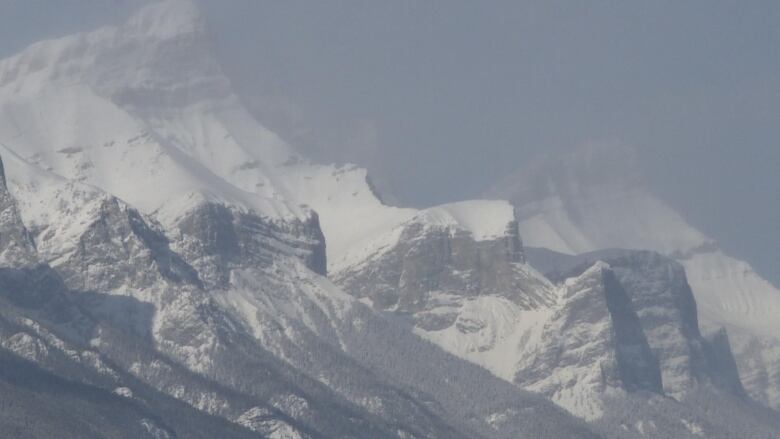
464 291
16 244
594 342
660 293
429 259
216 239
119 247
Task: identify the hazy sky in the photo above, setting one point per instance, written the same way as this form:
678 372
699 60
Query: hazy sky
441 98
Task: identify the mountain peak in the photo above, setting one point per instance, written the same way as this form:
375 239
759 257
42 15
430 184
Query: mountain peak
163 43
592 166
167 19
594 197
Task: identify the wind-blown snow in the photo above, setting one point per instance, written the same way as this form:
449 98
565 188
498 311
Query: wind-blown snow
351 216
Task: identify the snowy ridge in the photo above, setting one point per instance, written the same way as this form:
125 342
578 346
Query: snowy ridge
55 209
484 219
354 220
358 226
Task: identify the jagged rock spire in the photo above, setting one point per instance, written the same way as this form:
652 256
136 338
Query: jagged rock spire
3 183
17 247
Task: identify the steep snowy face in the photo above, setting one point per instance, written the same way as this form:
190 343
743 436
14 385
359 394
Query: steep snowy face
142 111
660 294
621 339
592 346
663 301
16 245
594 199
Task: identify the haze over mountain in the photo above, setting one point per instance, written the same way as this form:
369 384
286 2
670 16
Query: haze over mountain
171 266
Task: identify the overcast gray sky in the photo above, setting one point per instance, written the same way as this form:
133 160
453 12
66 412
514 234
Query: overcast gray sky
441 98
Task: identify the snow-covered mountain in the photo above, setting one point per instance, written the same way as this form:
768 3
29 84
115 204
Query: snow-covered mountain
616 329
155 236
595 199
164 252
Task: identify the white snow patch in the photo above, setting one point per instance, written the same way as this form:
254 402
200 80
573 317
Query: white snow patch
123 391
153 430
261 420
693 427
505 333
484 219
